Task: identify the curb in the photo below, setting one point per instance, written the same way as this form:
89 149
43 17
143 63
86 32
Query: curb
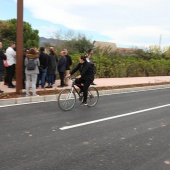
47 98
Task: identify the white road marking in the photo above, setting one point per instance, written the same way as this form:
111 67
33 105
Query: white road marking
113 117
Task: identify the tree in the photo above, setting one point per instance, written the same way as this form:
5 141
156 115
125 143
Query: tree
8 33
80 44
166 54
74 42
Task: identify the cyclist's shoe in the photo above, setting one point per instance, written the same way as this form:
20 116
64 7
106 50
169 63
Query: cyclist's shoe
84 104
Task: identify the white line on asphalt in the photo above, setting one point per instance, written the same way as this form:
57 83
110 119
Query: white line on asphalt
113 117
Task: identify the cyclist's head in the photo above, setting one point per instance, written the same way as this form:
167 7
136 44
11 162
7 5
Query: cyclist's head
82 59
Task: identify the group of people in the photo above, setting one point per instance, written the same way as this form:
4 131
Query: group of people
47 66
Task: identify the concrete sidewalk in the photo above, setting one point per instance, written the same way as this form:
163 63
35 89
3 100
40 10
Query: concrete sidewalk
100 82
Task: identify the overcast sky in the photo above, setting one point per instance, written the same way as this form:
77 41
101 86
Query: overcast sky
125 22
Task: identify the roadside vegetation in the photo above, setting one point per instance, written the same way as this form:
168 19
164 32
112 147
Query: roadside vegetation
140 63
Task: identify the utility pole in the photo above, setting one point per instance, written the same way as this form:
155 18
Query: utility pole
160 39
19 46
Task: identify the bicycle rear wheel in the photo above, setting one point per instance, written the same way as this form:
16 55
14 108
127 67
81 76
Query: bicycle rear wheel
66 99
92 96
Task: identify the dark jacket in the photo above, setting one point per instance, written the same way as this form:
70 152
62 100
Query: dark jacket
62 64
51 64
69 62
55 55
85 69
43 60
2 57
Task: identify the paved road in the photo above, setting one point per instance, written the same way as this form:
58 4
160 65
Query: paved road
134 136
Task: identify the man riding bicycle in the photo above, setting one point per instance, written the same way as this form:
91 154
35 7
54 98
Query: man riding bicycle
86 77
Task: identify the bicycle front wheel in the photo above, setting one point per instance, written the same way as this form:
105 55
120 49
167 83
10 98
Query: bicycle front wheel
92 96
66 99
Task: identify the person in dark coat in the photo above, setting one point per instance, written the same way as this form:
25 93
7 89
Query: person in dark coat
2 68
62 68
86 76
43 57
68 64
52 52
51 69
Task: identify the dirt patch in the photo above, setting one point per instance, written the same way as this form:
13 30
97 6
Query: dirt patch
57 91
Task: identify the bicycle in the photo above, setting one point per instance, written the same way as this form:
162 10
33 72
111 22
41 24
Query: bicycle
67 97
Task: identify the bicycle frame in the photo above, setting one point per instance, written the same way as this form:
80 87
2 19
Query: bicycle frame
67 97
74 88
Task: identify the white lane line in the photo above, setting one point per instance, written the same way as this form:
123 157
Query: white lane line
113 117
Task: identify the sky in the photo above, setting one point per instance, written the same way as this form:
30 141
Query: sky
128 23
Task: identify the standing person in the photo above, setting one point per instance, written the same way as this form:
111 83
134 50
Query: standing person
31 75
86 77
90 59
68 64
51 68
62 68
89 56
43 57
52 52
2 68
11 60
24 78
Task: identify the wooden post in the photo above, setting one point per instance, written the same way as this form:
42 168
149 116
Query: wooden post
19 46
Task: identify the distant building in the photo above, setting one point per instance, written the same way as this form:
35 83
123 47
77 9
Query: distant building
126 51
111 47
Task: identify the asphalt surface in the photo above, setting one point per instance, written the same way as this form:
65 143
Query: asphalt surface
134 136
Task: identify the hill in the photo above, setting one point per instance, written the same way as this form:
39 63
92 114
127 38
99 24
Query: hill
52 41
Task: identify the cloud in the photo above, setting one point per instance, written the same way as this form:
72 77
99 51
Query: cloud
139 35
129 21
47 31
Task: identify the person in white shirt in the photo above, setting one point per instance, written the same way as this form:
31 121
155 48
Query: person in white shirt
11 60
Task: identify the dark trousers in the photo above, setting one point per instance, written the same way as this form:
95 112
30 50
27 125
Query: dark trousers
6 75
61 78
10 72
50 79
84 88
1 74
23 79
54 79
